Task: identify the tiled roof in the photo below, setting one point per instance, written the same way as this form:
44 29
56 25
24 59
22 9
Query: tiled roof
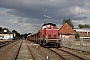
66 29
3 32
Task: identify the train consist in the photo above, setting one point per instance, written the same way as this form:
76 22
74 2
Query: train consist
48 34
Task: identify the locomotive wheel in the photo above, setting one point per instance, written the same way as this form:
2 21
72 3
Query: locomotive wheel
45 46
43 43
59 45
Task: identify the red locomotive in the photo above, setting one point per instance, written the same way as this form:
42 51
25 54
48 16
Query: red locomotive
47 34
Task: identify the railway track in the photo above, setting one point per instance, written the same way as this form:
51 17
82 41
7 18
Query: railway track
31 52
40 53
15 58
2 44
65 55
9 51
24 52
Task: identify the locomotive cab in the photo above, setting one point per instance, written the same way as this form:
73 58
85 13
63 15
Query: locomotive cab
49 34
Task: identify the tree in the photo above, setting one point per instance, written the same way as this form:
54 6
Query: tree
17 35
0 28
77 35
84 26
24 36
80 26
68 21
14 31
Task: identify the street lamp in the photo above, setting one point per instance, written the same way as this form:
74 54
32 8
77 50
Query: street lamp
52 18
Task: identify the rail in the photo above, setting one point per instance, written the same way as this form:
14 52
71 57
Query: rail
2 44
18 51
31 52
65 52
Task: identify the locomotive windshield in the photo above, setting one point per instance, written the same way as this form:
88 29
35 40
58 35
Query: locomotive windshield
48 25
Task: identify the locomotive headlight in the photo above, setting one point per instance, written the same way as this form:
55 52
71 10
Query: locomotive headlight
46 36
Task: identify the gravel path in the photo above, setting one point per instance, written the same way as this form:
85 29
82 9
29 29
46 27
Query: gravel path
84 55
24 53
43 53
8 52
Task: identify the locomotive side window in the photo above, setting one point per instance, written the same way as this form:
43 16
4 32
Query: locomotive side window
54 36
49 35
48 25
44 27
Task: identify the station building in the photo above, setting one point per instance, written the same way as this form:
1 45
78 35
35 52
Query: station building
67 35
6 34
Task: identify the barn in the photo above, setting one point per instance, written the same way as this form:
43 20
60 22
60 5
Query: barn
67 35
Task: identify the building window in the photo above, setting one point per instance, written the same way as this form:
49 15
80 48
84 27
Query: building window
5 30
66 37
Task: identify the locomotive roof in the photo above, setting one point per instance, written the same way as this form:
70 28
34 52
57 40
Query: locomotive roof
48 24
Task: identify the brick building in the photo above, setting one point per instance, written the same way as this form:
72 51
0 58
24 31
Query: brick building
67 35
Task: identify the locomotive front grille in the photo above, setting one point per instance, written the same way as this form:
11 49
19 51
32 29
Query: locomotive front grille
51 36
52 41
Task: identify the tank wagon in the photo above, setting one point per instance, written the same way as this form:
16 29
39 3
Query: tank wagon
48 34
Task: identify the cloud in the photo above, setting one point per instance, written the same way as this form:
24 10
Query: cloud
77 10
77 22
30 13
4 12
80 22
36 9
14 21
22 24
1 26
16 25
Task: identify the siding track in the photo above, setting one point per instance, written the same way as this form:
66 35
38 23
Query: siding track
65 55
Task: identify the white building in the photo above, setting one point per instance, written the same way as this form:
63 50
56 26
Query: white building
84 33
5 34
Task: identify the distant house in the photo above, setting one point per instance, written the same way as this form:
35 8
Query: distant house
84 33
5 34
67 35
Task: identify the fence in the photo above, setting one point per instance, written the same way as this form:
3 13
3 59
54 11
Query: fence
79 44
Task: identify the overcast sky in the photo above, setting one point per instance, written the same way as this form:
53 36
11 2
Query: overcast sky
26 16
